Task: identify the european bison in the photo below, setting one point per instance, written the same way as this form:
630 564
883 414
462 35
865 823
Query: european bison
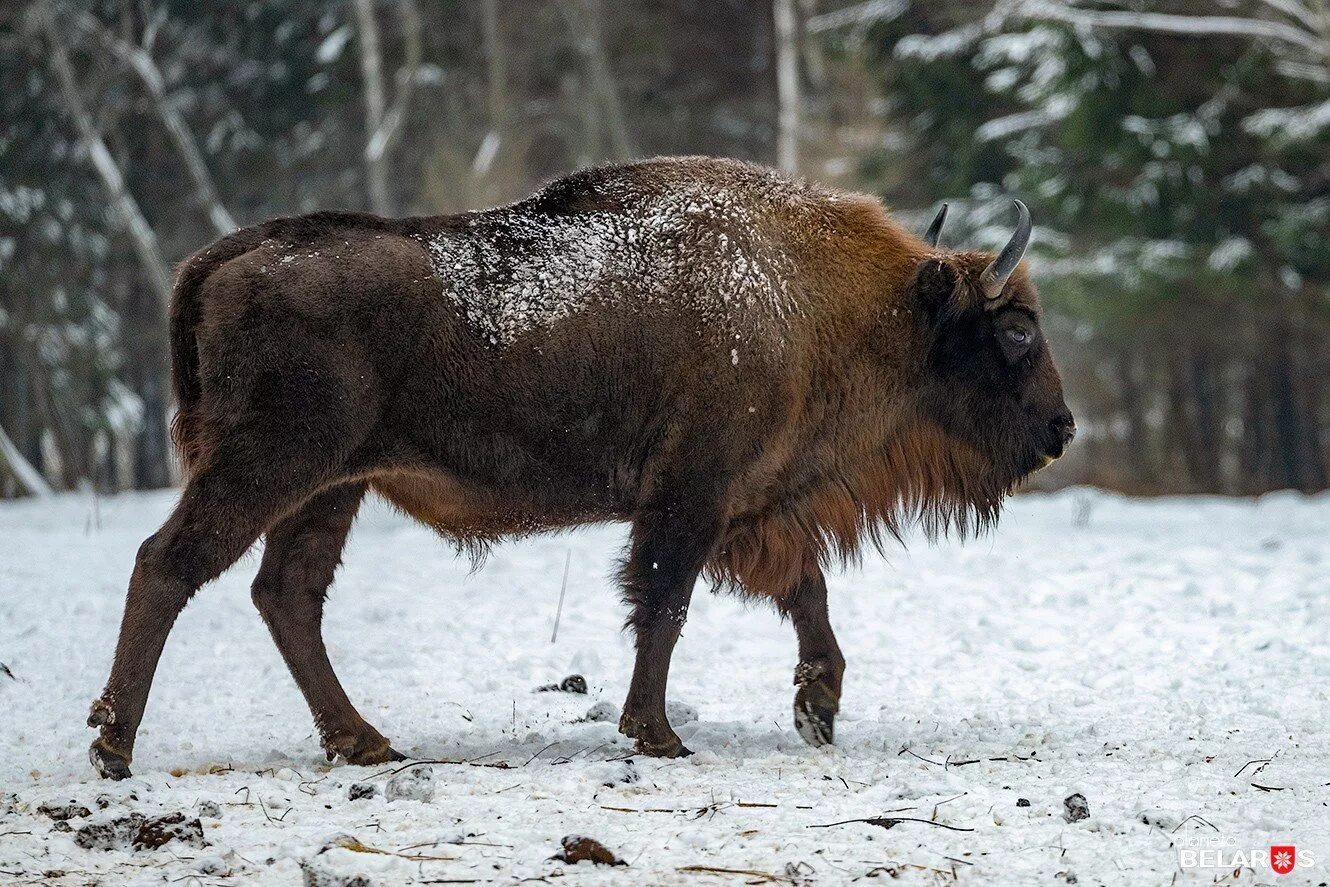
760 375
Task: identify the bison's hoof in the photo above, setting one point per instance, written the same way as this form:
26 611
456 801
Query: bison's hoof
363 750
654 740
109 763
669 748
815 714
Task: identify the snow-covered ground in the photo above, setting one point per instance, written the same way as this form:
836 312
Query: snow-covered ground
1140 653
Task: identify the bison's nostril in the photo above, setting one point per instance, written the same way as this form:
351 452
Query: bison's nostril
1064 426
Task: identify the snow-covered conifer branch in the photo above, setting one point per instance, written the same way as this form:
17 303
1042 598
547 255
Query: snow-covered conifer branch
1183 25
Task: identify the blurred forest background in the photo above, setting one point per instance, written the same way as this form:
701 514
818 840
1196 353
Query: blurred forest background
1175 155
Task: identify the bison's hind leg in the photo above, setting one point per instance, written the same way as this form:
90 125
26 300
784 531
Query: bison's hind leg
262 464
221 512
300 557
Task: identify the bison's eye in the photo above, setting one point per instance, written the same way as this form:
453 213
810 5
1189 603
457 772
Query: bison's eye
1016 336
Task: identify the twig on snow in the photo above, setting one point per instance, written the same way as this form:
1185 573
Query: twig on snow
886 822
1261 761
766 877
356 846
906 750
468 762
541 752
1198 818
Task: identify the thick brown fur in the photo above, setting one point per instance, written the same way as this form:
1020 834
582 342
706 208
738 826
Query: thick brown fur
762 376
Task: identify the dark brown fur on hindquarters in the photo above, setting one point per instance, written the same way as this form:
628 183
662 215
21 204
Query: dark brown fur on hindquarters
758 374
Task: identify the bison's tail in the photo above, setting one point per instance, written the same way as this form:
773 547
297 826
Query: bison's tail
186 312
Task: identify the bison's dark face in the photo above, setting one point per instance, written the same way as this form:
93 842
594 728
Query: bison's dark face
988 377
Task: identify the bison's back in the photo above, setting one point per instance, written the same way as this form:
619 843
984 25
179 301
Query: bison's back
710 243
549 361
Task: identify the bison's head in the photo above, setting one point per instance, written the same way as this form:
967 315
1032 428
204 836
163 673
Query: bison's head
988 377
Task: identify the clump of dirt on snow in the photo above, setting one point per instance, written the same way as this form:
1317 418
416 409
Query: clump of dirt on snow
360 791
574 683
137 832
416 784
1076 808
601 711
62 812
577 848
318 876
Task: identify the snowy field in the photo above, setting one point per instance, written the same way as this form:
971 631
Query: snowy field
1168 660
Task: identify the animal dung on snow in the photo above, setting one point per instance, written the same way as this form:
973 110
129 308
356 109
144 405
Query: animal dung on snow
1076 808
574 683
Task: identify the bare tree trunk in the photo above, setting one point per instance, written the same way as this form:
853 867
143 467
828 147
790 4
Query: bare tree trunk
585 19
147 248
371 72
1311 459
787 86
1287 424
496 64
1312 399
1134 408
1256 451
383 123
1181 446
146 245
141 63
13 462
1207 397
67 457
496 92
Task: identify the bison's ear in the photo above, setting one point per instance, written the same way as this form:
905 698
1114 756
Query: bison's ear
936 289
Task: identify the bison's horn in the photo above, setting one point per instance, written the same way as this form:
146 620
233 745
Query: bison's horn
996 274
935 227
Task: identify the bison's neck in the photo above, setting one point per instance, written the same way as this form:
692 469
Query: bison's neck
863 462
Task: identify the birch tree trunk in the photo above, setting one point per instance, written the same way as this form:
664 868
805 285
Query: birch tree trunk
146 244
584 19
371 73
140 61
13 462
496 92
382 122
147 247
496 67
787 86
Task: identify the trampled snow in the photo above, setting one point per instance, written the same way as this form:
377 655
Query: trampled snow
1166 659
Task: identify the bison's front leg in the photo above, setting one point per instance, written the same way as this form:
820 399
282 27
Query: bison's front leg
670 543
821 665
